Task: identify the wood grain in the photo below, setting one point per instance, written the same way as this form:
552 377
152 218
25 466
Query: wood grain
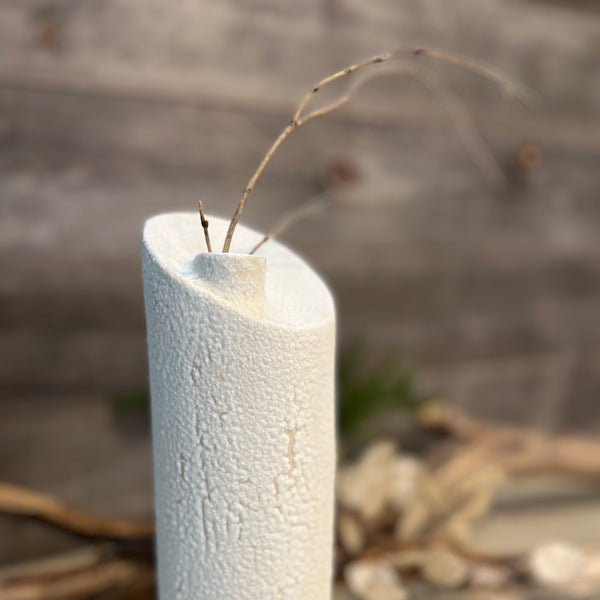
114 110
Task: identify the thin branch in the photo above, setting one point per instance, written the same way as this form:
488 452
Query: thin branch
16 500
294 123
204 226
69 577
250 186
469 135
343 73
63 564
302 212
515 450
510 86
449 101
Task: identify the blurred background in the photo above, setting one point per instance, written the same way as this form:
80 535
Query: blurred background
483 281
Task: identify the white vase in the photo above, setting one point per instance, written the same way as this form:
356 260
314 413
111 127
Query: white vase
241 352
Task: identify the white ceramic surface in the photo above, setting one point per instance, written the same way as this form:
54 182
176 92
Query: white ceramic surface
241 353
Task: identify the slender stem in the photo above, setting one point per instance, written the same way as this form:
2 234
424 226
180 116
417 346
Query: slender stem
326 109
294 123
471 139
250 186
17 500
343 73
511 87
306 210
204 222
456 110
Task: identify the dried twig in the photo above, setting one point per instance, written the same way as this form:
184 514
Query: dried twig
87 573
204 222
294 123
306 210
470 137
442 417
511 87
465 127
16 500
457 493
515 450
54 566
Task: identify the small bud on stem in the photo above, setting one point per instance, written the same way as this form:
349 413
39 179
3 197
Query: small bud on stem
204 226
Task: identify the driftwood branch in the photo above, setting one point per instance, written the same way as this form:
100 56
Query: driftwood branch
91 572
16 500
306 210
515 450
77 560
511 87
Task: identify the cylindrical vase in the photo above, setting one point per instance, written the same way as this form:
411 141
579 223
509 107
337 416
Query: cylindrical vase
241 356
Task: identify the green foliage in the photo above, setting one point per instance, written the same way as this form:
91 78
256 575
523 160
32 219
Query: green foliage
133 400
363 392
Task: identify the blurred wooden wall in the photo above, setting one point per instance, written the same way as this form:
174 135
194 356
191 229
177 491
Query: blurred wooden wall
113 110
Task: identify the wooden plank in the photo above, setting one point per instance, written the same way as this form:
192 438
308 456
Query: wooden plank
230 51
226 145
429 271
113 111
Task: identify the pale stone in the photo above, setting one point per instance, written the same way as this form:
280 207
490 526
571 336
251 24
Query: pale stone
555 564
351 533
241 352
402 477
587 583
381 479
444 569
374 580
362 486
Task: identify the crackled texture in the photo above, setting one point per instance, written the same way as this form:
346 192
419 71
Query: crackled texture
241 354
